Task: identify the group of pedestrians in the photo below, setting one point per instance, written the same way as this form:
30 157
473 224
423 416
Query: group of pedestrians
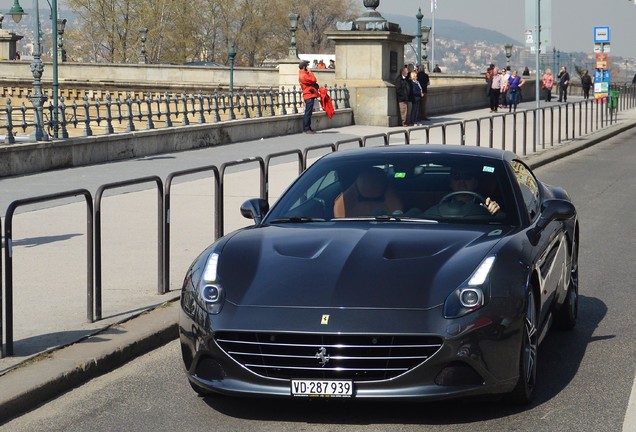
503 88
548 81
411 87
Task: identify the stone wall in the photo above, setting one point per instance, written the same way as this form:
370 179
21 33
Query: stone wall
29 157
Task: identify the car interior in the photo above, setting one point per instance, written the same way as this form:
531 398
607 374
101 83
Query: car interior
371 190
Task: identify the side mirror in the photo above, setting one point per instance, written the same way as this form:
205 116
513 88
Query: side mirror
255 208
555 209
552 210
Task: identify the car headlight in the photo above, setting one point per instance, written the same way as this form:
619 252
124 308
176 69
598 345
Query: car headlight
471 296
210 292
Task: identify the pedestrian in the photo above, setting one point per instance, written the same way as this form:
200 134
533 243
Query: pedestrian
488 77
526 71
503 97
417 93
495 89
586 83
634 80
547 82
514 89
564 82
403 92
424 81
437 69
309 85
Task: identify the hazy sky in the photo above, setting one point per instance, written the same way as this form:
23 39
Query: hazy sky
573 21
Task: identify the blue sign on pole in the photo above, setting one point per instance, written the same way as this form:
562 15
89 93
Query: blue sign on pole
602 34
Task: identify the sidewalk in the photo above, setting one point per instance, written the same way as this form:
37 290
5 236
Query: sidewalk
53 314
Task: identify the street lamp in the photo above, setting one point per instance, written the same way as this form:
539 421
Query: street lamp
419 17
508 49
426 32
231 56
61 24
293 26
37 67
143 34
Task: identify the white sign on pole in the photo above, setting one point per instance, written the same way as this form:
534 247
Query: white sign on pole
530 37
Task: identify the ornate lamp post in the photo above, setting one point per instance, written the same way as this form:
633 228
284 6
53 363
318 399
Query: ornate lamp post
37 68
508 49
61 24
231 56
426 32
293 26
143 35
419 17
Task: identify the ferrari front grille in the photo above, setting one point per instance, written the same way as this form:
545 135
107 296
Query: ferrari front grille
327 356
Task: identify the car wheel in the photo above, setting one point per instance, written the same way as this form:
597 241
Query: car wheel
525 389
565 318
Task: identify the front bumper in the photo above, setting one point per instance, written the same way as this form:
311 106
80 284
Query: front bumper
478 353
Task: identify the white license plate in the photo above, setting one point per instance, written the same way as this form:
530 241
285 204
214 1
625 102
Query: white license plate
322 388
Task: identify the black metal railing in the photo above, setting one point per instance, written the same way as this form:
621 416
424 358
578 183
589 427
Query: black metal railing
6 321
130 113
592 114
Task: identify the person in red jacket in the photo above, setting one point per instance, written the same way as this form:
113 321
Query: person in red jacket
309 85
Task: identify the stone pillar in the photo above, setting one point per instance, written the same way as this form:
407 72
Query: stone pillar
369 56
8 44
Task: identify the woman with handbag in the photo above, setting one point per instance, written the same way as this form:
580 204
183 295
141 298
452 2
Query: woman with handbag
547 82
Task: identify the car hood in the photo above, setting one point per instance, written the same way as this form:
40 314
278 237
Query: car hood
352 265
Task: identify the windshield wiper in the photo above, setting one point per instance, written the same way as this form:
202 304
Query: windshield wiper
296 219
385 218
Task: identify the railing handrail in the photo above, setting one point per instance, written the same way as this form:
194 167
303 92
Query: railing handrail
98 234
7 348
177 109
163 193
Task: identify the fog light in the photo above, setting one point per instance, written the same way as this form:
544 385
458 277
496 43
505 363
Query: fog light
471 297
210 293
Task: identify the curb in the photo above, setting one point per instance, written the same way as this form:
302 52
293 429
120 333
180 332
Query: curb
49 375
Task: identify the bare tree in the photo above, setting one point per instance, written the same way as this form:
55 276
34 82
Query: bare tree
108 30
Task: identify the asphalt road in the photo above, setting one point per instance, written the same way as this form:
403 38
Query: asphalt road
586 376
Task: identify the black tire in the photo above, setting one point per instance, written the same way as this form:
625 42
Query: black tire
524 392
565 318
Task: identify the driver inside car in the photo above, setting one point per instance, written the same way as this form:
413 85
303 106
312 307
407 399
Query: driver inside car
464 199
466 180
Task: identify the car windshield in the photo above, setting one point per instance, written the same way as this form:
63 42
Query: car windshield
400 187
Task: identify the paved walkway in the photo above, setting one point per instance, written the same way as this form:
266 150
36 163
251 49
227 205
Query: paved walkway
49 255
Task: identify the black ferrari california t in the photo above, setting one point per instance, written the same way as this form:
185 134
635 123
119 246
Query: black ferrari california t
416 271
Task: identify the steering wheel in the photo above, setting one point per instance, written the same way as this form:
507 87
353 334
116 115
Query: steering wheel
477 198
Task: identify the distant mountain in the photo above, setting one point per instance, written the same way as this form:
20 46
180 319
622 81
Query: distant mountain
453 30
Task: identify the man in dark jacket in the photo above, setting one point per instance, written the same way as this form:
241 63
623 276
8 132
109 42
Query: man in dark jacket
403 91
564 82
424 80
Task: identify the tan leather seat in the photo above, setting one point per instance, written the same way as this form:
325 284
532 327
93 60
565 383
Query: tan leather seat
369 195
